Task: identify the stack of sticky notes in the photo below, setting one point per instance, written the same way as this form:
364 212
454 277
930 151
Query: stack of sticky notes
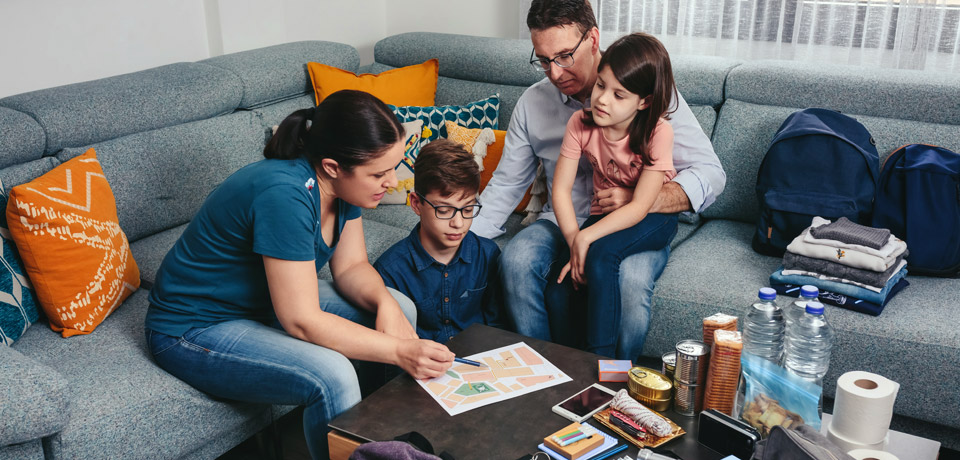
614 370
574 440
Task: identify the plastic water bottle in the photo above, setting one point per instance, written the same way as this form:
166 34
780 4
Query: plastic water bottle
808 344
795 310
763 327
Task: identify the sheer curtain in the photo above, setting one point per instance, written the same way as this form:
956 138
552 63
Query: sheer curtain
910 34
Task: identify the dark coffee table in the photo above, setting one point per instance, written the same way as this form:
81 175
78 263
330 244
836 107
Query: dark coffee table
506 430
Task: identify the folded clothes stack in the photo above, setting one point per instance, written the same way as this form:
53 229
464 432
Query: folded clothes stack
856 267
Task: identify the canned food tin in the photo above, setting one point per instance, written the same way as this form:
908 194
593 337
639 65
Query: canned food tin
691 362
658 405
669 364
649 384
689 398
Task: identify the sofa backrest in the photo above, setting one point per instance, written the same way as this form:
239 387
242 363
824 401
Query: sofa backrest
897 107
167 136
473 68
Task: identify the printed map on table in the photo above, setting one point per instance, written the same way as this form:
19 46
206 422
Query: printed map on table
511 371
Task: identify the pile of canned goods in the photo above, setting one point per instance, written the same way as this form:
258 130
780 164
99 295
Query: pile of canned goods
690 376
650 387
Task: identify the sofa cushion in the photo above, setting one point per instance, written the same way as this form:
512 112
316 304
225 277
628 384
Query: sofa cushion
892 93
277 73
271 115
911 338
504 61
66 230
26 172
21 138
150 251
155 187
35 398
700 79
29 449
410 85
123 405
706 116
84 113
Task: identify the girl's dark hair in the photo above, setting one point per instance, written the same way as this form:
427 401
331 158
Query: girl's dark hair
544 14
642 65
349 127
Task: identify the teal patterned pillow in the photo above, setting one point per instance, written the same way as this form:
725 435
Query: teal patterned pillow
479 114
18 302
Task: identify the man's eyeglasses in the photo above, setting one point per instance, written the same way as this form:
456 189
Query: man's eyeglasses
563 61
447 212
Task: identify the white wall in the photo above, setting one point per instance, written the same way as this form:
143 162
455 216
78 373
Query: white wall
46 43
488 18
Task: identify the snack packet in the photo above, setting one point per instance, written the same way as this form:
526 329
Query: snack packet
774 396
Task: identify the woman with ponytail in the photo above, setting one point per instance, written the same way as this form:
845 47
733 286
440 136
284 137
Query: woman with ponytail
237 310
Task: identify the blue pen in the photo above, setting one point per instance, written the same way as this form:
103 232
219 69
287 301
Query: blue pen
610 452
467 361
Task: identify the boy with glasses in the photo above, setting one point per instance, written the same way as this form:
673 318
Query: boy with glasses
450 273
566 48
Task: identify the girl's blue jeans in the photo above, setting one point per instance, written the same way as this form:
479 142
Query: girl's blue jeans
602 273
249 361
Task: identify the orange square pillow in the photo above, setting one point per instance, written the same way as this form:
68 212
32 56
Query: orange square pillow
65 225
458 133
412 85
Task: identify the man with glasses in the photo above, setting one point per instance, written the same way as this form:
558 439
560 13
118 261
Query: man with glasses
566 47
450 273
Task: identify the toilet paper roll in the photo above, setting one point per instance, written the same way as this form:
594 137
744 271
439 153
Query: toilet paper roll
869 454
846 444
863 407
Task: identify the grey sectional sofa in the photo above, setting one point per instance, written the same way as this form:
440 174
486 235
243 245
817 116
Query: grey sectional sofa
167 136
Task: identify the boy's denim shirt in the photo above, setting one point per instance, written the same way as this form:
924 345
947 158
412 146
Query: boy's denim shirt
448 297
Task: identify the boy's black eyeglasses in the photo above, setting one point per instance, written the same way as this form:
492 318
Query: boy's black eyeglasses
563 61
447 212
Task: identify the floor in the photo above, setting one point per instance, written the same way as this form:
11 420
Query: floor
261 446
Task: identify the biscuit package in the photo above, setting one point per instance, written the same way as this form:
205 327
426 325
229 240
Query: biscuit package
776 396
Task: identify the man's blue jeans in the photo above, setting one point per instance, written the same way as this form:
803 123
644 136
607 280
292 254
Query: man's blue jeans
542 309
249 361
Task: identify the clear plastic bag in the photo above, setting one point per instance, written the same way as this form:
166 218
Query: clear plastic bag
775 397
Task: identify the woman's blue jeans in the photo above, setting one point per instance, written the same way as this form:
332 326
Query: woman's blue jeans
249 361
602 274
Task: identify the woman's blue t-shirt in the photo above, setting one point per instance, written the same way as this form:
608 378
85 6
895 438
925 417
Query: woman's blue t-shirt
215 270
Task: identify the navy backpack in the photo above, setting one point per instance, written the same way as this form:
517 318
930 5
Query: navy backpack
918 199
819 163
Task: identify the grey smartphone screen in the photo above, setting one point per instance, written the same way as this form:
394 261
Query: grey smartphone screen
587 401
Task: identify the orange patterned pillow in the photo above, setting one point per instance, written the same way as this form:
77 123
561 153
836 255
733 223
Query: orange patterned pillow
65 225
411 85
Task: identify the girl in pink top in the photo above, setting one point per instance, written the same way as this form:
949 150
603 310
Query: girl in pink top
627 139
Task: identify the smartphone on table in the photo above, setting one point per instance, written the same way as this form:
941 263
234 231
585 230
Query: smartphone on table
584 404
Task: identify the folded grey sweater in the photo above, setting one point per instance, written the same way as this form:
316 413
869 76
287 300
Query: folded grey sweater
793 261
853 233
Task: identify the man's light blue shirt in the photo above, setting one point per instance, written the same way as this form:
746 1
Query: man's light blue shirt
535 134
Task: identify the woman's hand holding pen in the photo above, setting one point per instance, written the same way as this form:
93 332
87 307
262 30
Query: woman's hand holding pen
423 359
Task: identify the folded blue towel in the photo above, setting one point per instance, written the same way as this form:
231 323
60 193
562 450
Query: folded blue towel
843 301
858 292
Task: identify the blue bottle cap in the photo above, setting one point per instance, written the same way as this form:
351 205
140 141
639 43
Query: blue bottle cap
815 308
767 293
809 291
